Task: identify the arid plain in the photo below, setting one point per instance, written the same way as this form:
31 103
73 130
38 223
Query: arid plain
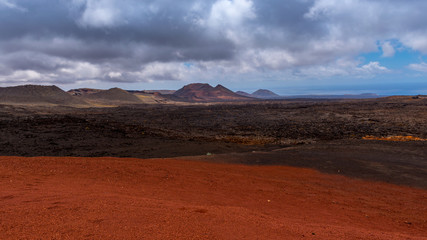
109 167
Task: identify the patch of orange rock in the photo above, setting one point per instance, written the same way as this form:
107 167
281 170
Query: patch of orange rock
395 138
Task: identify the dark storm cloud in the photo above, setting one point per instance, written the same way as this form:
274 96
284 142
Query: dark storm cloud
24 61
288 17
168 28
138 40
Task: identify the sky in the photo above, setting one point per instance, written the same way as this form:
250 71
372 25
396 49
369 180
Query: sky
291 47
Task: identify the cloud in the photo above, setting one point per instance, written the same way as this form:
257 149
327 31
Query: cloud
388 49
343 68
11 5
416 40
420 67
227 18
373 67
100 13
138 41
230 13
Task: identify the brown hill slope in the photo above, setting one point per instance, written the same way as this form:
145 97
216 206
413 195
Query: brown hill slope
83 91
35 94
113 96
149 97
203 92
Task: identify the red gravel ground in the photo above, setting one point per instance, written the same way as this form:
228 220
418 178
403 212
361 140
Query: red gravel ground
111 198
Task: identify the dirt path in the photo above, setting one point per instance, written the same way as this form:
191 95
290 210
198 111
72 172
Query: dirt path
111 198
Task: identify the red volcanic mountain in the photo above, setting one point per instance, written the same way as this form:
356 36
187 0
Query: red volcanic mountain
203 92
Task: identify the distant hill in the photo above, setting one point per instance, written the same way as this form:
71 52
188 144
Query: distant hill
202 92
83 91
113 96
196 92
117 96
151 97
36 94
344 96
264 93
260 93
242 93
163 92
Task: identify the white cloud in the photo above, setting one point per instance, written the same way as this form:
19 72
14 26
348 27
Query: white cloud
388 49
416 40
163 71
374 20
26 74
100 13
11 5
230 12
343 68
21 76
34 67
269 58
373 67
227 18
114 74
81 70
420 67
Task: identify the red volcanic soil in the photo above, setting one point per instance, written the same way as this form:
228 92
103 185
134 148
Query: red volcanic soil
111 198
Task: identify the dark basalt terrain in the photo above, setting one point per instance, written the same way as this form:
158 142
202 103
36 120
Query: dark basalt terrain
331 131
